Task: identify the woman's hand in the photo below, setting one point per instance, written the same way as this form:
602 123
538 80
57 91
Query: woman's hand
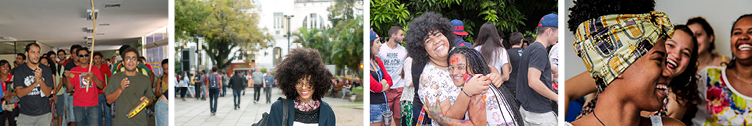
477 85
496 79
384 85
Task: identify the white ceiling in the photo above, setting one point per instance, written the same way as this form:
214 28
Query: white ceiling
61 23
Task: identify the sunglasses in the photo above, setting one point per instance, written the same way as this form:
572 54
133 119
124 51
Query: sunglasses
83 55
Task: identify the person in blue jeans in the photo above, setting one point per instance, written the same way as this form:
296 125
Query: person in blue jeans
161 111
215 84
268 83
236 83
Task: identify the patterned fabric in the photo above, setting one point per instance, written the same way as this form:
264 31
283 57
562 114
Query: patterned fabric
610 43
311 105
407 112
435 84
723 104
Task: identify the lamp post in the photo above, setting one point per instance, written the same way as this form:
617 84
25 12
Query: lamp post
288 31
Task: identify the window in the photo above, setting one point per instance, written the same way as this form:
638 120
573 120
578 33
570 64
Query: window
314 22
279 20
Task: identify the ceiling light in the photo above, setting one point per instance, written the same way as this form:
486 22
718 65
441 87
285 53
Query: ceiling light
90 16
100 33
104 24
89 30
112 5
7 39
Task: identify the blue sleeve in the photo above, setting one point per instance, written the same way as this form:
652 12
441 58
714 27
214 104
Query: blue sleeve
275 114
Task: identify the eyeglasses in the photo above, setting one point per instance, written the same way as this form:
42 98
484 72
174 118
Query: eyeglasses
301 85
131 59
83 55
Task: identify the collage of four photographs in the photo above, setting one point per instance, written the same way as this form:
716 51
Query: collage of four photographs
306 63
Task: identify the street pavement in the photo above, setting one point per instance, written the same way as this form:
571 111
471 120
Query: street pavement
196 112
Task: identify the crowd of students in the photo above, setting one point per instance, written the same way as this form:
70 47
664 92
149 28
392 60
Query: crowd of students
434 77
42 89
666 75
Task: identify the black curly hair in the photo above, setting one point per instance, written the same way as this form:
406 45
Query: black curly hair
685 85
584 10
300 63
418 31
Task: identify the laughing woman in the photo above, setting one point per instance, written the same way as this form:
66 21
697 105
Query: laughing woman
727 90
304 81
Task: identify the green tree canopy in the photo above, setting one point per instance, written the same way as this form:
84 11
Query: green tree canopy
224 25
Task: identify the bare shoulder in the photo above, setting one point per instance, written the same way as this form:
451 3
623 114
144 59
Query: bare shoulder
667 121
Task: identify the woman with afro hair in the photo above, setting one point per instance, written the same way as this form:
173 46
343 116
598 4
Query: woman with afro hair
304 81
428 45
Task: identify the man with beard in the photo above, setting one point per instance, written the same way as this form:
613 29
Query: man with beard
33 84
128 95
393 56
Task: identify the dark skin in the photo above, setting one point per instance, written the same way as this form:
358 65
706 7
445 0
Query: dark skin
739 75
33 57
130 70
633 91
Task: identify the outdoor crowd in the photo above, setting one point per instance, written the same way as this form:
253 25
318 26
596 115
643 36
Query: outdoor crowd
437 78
43 89
656 72
215 84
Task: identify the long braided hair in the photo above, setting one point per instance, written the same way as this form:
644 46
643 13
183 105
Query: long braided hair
477 65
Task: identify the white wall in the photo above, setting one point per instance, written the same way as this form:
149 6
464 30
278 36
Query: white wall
287 7
720 15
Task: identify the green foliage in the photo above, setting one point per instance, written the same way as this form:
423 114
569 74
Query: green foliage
348 51
387 13
224 25
316 39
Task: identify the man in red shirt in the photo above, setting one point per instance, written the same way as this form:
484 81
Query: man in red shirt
85 97
105 70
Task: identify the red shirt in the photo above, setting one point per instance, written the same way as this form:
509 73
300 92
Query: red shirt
149 66
105 70
66 61
81 97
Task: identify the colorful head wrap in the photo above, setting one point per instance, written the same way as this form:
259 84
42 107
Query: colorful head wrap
610 43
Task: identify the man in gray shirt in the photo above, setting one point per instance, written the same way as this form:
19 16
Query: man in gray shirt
258 81
268 83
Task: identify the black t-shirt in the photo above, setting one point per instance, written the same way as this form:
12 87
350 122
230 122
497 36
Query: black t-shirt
535 56
515 54
68 66
35 103
377 98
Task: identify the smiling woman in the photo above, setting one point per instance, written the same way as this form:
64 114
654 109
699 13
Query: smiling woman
304 81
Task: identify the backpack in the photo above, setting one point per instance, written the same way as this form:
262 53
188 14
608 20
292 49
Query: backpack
265 116
214 81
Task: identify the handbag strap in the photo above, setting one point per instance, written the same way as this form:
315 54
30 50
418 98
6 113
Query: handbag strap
285 110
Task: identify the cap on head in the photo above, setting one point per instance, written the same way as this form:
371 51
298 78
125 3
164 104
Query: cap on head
459 27
374 36
549 20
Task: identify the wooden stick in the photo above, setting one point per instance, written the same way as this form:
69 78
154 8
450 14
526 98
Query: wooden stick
93 37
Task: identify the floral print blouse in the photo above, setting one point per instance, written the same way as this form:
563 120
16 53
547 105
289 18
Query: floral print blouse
723 104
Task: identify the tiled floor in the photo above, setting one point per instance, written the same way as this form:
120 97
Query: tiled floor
196 112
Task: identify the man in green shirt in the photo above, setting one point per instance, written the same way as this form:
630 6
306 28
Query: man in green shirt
128 95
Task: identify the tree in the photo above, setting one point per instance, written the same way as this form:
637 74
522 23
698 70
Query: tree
225 25
507 15
318 39
348 52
